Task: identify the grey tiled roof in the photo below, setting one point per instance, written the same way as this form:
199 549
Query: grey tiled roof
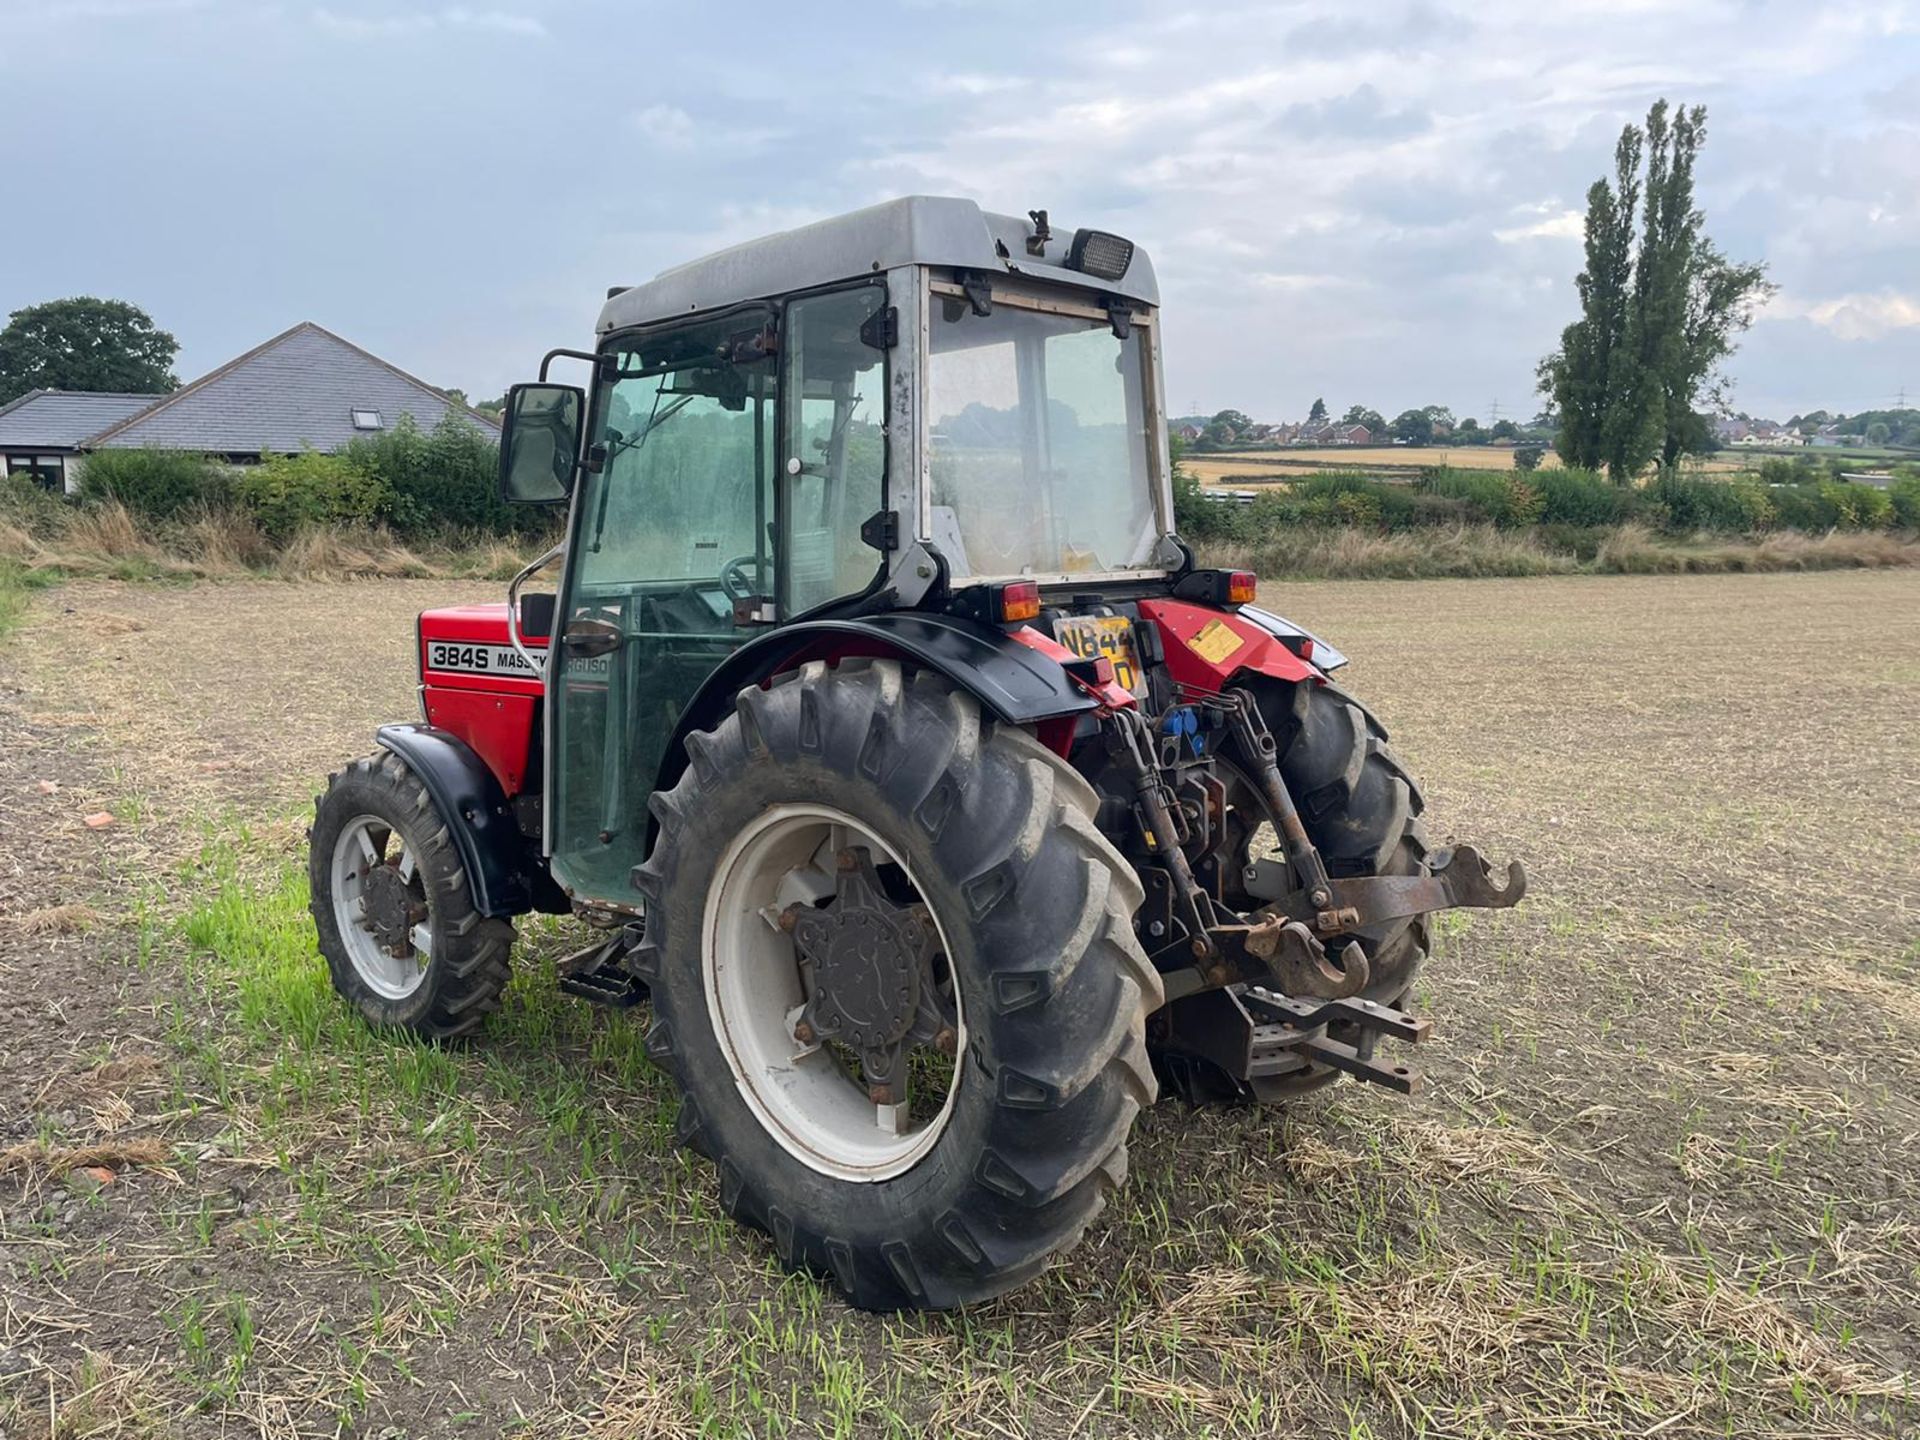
296 391
61 419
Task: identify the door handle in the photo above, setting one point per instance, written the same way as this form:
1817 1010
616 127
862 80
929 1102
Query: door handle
592 637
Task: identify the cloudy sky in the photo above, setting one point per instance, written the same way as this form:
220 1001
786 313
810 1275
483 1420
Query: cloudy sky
1374 203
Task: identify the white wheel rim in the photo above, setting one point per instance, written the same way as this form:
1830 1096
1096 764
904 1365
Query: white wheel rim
806 1101
364 842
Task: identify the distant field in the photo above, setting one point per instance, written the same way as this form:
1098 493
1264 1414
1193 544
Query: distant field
1378 459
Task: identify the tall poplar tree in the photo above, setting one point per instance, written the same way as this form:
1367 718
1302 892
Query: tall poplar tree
1631 373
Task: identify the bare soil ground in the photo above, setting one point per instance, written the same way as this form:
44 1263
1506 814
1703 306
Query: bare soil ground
1664 1179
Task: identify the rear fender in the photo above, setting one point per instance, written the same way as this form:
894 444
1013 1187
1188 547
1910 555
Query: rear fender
1013 682
1207 647
503 869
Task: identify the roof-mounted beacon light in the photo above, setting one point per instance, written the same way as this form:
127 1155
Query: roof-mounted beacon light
1097 253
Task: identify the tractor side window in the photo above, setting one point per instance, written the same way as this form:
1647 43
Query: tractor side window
833 459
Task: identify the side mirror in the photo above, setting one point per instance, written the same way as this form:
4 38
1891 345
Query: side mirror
540 443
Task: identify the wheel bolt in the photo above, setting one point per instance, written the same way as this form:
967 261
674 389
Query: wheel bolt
803 1032
880 1094
946 1041
846 859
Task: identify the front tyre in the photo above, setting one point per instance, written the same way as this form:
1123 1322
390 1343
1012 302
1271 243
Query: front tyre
895 977
395 915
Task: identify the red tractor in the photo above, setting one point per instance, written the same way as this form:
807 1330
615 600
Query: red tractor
942 807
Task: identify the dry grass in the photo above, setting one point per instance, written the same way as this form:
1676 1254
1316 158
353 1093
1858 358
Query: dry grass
54 1161
1290 463
106 541
1484 551
72 919
1635 550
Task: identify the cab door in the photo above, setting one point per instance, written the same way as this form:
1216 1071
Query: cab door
670 565
743 455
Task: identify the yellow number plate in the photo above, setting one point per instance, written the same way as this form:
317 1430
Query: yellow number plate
1089 636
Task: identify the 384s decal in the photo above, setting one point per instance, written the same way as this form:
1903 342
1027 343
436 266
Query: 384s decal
462 657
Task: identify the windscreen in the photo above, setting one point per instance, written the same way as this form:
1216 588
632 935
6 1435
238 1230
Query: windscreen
1038 428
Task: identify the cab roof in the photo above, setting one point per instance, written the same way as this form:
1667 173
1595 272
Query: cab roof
913 230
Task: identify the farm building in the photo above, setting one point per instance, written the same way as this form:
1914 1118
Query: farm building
306 388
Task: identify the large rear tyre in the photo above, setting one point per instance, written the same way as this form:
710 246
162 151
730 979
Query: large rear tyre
895 977
395 915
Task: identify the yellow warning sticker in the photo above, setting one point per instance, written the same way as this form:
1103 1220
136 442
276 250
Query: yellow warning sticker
1216 641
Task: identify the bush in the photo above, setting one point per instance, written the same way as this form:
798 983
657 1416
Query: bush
1695 503
153 484
1803 507
440 480
1904 497
289 492
1580 497
1861 507
1507 500
1528 457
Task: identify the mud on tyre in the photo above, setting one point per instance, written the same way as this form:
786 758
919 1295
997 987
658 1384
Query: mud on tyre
993 834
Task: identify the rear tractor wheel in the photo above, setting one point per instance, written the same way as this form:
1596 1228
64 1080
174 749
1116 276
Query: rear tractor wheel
396 919
895 977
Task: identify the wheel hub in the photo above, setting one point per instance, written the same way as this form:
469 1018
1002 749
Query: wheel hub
392 908
866 964
864 957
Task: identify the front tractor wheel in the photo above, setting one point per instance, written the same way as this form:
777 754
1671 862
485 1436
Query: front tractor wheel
395 915
895 977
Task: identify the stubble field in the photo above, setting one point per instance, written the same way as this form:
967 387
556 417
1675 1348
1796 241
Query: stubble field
1664 1178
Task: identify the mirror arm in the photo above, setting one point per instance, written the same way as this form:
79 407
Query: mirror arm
537 665
602 361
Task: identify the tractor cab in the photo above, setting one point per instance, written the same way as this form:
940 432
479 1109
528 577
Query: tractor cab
917 400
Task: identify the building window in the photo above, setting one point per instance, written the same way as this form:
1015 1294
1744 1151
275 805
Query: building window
48 471
366 419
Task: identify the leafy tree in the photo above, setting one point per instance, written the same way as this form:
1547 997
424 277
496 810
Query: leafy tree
1375 422
1413 426
1318 414
1225 427
85 344
1439 415
1879 433
1579 374
1528 457
1655 325
1504 430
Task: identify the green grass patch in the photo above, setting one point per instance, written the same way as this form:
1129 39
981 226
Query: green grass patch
17 584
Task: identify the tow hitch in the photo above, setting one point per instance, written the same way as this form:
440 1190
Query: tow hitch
1273 1045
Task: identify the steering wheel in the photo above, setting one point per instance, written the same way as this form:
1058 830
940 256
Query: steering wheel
736 580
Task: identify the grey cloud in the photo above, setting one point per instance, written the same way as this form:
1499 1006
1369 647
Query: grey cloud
1361 114
1415 29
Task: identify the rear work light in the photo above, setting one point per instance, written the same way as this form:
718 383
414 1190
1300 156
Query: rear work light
1217 587
1017 602
1096 253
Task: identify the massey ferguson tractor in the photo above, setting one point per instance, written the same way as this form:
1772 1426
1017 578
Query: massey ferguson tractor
940 805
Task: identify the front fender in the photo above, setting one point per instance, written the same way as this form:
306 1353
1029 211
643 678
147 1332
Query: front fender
1015 683
503 870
